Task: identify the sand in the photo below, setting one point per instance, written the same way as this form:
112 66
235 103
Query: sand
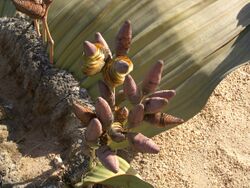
210 150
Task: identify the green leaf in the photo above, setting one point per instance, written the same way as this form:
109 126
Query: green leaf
125 178
6 8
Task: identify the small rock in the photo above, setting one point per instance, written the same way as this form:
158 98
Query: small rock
79 141
57 161
2 113
3 133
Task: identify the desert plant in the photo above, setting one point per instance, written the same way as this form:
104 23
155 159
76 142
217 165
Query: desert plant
48 97
112 123
198 53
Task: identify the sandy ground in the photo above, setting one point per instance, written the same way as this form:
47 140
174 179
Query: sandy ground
210 150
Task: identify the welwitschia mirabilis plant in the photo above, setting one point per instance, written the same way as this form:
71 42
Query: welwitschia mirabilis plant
199 41
112 124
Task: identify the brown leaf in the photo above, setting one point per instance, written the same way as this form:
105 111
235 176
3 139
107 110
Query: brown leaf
162 119
121 114
108 158
153 78
83 113
30 8
142 143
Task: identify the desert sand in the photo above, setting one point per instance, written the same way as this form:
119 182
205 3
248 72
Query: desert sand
211 150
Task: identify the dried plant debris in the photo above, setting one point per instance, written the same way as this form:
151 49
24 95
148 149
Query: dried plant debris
38 10
121 114
83 113
114 123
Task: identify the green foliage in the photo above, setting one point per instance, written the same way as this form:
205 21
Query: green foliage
125 178
6 8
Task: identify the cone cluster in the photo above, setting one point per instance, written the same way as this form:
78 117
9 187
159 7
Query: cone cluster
98 58
112 122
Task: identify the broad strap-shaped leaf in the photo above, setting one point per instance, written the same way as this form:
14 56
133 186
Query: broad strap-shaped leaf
6 8
126 177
